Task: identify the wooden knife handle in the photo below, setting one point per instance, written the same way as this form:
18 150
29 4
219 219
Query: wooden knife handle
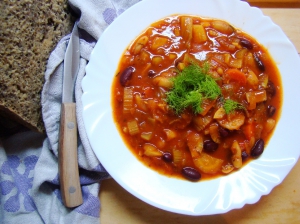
68 161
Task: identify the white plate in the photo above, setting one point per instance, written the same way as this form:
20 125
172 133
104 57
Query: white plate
216 196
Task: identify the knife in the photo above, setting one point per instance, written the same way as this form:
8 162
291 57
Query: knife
68 160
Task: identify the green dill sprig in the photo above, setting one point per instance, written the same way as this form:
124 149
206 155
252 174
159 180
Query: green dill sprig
191 86
231 105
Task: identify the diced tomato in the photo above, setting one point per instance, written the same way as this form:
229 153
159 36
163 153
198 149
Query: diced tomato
233 74
148 92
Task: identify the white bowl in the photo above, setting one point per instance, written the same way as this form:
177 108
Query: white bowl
215 196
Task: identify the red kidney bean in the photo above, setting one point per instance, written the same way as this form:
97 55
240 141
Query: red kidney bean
271 110
151 73
191 173
210 146
244 155
126 75
271 88
259 63
167 157
258 148
246 43
223 132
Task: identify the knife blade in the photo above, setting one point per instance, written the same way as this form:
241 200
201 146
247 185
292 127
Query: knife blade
68 160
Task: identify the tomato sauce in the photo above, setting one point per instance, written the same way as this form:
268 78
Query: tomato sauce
215 141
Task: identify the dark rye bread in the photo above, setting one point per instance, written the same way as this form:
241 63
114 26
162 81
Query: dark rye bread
29 31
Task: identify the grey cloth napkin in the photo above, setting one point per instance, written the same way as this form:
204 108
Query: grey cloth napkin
29 181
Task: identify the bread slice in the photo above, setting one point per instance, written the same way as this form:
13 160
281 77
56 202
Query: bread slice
29 31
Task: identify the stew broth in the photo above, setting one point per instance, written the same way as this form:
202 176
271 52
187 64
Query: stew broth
228 130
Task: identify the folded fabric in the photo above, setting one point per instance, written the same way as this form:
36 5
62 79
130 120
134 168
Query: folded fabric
29 179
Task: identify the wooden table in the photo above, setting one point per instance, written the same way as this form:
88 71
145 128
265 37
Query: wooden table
282 205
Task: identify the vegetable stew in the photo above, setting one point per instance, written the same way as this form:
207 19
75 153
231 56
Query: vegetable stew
196 98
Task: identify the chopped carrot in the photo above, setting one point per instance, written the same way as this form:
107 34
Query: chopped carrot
249 131
235 75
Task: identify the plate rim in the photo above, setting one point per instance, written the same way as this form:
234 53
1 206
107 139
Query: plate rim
89 69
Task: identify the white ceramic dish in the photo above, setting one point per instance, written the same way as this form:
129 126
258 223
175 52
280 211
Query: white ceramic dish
216 196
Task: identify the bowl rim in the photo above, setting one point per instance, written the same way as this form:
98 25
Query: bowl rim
122 174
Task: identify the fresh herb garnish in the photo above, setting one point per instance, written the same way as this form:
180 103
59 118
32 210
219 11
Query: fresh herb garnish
191 86
231 105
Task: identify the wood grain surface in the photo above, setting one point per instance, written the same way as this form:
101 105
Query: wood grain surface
67 158
282 205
